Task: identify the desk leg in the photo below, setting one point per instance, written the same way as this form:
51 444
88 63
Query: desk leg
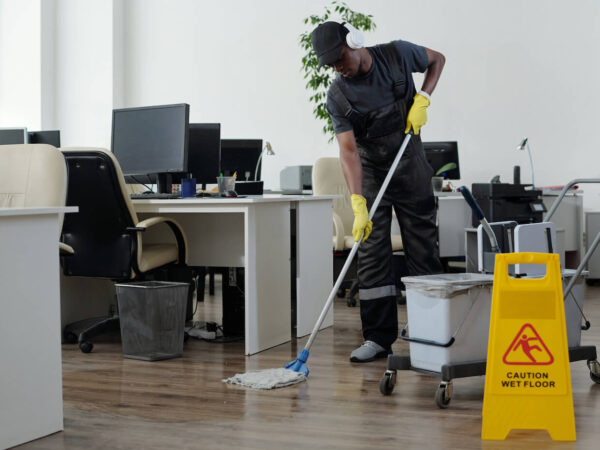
314 263
31 371
267 268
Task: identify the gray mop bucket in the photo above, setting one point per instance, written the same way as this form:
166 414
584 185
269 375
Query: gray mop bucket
152 317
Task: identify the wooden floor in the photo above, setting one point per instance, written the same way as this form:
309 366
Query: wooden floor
116 403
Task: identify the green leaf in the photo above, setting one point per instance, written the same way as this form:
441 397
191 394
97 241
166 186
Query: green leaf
445 168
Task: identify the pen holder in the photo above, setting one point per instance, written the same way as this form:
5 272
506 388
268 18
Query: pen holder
188 187
225 184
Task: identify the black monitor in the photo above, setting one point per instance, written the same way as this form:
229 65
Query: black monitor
241 156
204 152
51 137
439 154
152 140
13 136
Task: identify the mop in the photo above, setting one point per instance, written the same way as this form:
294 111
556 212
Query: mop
296 371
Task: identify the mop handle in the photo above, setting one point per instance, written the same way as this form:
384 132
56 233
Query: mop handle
481 217
350 257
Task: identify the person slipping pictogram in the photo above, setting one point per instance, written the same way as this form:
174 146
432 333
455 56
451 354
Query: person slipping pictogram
527 348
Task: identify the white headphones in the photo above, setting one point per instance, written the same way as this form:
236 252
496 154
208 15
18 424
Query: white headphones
355 39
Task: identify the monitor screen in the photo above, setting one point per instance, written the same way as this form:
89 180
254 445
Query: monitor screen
12 136
204 152
152 140
51 137
241 156
439 154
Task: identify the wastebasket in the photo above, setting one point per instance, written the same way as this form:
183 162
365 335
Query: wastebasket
152 318
448 318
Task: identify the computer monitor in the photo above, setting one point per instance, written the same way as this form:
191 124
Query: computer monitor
51 137
13 136
439 154
204 152
241 156
152 140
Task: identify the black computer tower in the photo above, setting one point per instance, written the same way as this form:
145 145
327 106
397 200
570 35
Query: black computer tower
233 301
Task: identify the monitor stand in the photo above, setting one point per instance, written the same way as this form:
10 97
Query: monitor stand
164 183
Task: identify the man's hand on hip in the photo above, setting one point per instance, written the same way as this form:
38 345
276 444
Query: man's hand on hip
417 116
361 218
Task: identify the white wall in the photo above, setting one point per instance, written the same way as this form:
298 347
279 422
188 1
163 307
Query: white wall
20 78
84 72
513 69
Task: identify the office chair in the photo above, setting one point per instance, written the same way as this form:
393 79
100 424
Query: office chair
33 175
107 236
328 179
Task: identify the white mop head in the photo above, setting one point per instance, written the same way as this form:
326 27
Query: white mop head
267 379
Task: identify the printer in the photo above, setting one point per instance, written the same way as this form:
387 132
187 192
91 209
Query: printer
504 201
295 178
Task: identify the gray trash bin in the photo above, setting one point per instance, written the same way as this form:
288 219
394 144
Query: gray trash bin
152 317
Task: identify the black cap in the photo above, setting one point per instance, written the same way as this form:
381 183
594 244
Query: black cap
328 40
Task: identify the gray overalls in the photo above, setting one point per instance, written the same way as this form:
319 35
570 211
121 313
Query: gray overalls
379 135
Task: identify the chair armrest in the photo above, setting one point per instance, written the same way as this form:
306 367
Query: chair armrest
65 250
175 227
338 227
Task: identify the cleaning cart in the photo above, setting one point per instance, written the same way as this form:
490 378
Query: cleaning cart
449 318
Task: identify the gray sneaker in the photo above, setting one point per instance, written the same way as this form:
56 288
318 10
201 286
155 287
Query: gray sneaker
369 351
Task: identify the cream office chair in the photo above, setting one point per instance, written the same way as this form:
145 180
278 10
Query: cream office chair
107 235
33 175
328 179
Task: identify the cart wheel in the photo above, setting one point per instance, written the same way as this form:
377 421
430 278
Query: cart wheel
86 346
443 395
186 336
70 337
341 292
594 367
387 382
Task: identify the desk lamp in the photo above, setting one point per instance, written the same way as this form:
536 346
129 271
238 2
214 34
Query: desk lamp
522 146
269 151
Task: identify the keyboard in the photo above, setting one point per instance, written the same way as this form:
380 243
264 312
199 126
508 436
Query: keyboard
153 196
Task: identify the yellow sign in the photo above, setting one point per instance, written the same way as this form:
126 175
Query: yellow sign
528 380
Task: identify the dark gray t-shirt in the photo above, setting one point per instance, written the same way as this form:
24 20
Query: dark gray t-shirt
373 89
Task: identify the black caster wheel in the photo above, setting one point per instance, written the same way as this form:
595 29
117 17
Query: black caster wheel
351 302
594 367
70 337
86 346
443 395
387 382
341 293
186 336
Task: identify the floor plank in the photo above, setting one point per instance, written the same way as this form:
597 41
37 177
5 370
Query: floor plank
117 403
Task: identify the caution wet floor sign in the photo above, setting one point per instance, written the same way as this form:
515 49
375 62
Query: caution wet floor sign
528 382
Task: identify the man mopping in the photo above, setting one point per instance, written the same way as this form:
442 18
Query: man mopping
373 104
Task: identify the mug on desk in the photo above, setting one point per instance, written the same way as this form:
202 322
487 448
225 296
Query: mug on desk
188 187
225 184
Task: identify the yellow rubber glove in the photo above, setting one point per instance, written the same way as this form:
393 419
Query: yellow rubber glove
417 116
361 218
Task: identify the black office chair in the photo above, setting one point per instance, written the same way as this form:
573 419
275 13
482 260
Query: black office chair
106 236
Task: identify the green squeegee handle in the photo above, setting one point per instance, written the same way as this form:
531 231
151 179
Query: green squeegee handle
354 250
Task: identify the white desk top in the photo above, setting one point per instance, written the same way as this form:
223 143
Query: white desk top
35 210
237 201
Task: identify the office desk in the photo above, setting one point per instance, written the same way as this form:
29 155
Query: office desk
255 233
453 216
30 333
